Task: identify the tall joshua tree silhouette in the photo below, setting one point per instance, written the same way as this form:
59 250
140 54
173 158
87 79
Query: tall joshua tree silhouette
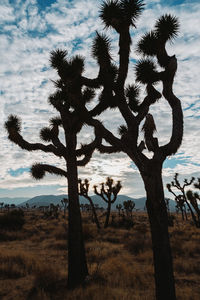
121 15
74 91
63 101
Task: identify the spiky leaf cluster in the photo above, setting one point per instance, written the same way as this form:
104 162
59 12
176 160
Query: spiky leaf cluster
167 27
37 171
13 122
122 130
58 99
101 48
87 95
146 71
56 121
57 58
132 93
132 9
46 134
111 13
66 68
148 44
76 65
116 14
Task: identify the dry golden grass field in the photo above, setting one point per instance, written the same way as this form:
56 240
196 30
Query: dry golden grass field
33 261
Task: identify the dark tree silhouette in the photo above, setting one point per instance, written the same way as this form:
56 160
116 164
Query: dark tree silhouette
119 208
83 191
121 15
182 198
108 192
129 206
74 90
65 203
194 198
68 92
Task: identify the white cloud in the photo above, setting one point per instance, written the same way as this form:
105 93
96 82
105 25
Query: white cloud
30 34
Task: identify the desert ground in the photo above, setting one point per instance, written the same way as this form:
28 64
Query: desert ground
33 260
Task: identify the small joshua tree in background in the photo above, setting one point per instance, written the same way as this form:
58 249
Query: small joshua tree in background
182 198
65 203
83 191
108 192
194 198
119 208
129 206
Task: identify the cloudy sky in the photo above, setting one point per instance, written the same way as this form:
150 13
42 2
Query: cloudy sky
30 29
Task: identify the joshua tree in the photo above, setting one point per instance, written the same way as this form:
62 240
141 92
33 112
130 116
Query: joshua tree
129 206
119 208
182 198
68 92
65 203
193 198
83 191
108 192
121 15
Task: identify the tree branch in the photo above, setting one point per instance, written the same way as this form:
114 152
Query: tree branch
38 171
16 137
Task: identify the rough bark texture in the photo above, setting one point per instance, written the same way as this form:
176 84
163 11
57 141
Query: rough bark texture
157 212
77 267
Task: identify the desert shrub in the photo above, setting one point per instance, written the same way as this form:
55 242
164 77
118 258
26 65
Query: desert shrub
47 279
89 231
12 220
16 265
124 222
137 244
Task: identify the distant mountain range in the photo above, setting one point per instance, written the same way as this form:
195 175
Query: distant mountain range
16 200
45 200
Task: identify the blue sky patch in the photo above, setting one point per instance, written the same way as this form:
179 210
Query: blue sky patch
18 172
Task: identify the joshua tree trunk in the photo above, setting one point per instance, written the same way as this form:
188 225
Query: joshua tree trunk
157 212
192 214
77 266
107 214
94 213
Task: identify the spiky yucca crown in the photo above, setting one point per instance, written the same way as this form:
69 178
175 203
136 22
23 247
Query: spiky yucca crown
166 29
116 13
13 123
101 47
37 171
66 68
132 93
146 72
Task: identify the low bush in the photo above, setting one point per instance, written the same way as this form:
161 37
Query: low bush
124 222
12 220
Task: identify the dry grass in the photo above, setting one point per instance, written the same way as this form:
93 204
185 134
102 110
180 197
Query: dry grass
33 261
